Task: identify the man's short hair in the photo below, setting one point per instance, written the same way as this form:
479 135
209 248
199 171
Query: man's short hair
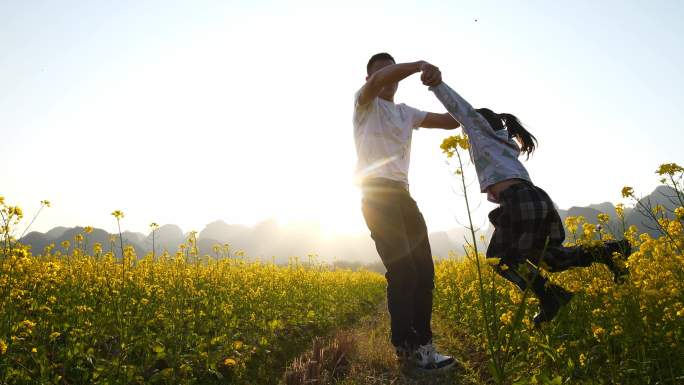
378 57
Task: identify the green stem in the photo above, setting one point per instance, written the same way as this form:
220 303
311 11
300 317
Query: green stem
660 227
498 369
32 220
680 198
521 309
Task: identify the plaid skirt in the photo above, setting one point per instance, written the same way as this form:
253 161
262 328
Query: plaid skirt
523 222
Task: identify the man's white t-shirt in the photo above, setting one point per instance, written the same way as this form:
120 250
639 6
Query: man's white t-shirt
382 133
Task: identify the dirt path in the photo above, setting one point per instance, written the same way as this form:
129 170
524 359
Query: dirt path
363 355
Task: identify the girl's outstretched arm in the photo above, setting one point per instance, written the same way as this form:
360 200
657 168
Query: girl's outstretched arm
461 110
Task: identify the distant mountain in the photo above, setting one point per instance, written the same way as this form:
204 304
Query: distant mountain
166 238
39 241
606 208
587 212
134 236
441 244
225 233
662 195
56 232
269 240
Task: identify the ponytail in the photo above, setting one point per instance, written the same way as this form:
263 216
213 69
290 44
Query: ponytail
527 141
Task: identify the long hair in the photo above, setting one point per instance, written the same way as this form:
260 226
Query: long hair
527 141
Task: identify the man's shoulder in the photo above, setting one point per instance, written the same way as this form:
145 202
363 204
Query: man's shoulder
361 108
404 106
357 95
409 110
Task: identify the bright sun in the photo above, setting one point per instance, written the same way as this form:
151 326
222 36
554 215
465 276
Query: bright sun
328 203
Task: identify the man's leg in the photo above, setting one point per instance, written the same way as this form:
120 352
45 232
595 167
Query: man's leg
421 254
426 356
382 212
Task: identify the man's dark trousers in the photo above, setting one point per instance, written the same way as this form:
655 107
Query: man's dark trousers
401 238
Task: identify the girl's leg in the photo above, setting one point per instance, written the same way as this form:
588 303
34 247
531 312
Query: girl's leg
551 297
523 275
523 228
559 258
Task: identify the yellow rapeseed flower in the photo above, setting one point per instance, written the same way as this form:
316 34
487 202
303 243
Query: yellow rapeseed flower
669 169
506 318
493 261
679 212
118 214
627 192
451 144
15 211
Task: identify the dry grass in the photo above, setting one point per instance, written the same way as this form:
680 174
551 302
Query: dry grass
364 356
323 363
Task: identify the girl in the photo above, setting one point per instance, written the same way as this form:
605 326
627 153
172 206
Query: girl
527 228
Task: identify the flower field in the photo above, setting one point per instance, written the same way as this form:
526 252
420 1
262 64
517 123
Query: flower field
610 333
630 333
71 318
68 317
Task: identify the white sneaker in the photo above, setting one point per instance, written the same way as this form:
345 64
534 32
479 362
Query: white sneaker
427 359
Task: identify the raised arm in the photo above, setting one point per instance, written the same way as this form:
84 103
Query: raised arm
386 76
460 109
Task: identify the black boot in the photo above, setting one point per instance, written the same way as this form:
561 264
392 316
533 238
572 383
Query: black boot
551 297
605 256
551 300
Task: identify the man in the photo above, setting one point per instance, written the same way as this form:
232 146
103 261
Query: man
382 132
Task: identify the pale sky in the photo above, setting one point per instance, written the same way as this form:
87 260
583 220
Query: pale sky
189 112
